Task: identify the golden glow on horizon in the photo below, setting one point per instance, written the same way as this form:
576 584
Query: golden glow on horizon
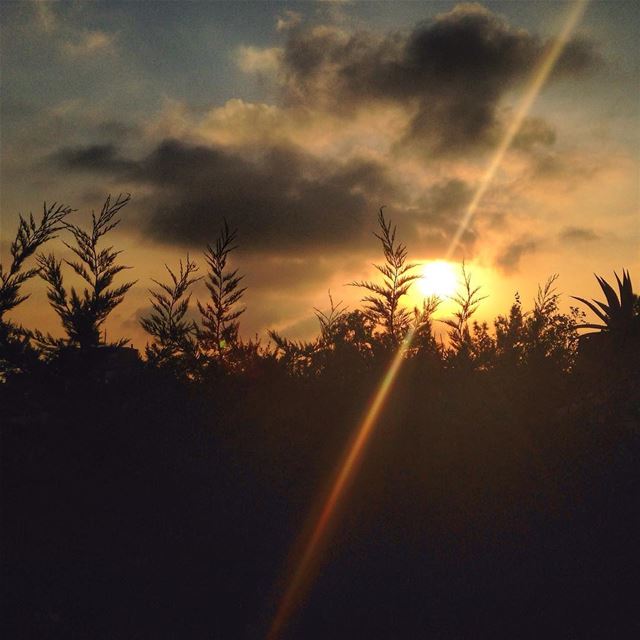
540 76
302 575
438 278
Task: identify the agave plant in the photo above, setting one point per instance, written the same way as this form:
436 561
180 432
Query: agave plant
619 314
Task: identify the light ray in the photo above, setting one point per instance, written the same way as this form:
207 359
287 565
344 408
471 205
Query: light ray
539 77
302 575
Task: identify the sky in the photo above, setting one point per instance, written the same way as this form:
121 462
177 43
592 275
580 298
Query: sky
297 121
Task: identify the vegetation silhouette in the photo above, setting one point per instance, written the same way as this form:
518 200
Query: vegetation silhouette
383 306
175 338
83 314
159 497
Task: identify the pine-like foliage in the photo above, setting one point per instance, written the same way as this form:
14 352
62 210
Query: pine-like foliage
29 238
82 314
330 321
424 341
311 357
383 305
16 350
551 336
468 300
174 335
220 313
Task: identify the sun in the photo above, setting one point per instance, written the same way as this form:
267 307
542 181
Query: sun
438 279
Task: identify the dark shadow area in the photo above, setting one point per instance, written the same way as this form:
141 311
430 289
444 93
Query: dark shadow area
488 505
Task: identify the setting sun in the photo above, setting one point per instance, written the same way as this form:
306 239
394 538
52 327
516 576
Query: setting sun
438 278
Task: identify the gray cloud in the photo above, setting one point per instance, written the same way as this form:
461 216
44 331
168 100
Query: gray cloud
280 197
448 199
509 258
96 158
451 72
439 211
578 234
534 132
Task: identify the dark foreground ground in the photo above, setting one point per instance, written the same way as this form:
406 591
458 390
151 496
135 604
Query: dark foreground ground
486 508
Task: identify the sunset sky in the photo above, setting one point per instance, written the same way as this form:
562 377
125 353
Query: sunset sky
297 121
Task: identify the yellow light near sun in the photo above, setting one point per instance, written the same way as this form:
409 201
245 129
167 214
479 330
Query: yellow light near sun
439 278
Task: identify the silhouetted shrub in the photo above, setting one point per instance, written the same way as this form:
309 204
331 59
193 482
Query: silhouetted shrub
82 314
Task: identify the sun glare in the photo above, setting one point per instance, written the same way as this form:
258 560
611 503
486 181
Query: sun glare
438 279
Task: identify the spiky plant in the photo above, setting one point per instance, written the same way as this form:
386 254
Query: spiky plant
29 238
298 357
467 301
174 335
619 314
16 350
310 357
221 312
329 321
383 305
83 314
423 339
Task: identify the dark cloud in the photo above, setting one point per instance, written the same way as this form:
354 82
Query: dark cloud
534 132
509 259
580 55
118 130
578 234
278 197
96 158
450 72
448 199
436 216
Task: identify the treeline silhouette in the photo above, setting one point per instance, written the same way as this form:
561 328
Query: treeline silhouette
161 496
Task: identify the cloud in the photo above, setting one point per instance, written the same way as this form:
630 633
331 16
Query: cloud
578 235
509 258
280 197
101 158
45 16
534 132
90 43
288 20
449 73
448 197
256 60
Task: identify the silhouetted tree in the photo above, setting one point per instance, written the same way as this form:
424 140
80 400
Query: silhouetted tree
296 356
424 342
550 336
383 306
15 348
174 336
510 336
82 314
304 357
461 339
220 313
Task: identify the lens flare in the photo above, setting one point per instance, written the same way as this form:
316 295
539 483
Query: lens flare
540 76
302 575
